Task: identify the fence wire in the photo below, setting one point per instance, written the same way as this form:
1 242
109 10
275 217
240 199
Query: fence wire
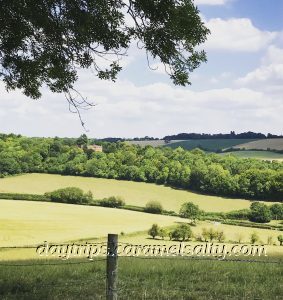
155 257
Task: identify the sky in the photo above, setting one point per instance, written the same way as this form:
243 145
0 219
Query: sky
240 88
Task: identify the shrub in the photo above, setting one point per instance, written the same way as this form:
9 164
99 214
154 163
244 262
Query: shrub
209 234
72 195
162 233
280 239
181 232
242 214
153 207
254 238
277 211
154 230
220 236
260 213
113 202
190 210
31 197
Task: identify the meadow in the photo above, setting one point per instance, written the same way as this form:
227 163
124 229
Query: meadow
209 145
264 155
25 223
134 193
30 223
144 279
265 144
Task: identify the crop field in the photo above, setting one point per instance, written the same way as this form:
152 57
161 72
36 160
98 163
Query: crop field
153 143
209 145
29 223
134 193
263 155
272 144
24 223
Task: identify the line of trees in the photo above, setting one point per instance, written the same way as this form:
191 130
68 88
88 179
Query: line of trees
231 135
183 232
195 170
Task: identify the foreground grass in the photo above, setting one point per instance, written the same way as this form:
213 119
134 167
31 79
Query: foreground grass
144 279
134 193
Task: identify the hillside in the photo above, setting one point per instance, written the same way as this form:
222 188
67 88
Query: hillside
263 155
29 223
267 144
208 144
134 193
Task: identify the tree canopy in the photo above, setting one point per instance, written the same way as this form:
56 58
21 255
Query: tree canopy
194 170
45 42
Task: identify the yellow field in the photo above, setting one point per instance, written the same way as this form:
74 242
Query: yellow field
134 193
30 223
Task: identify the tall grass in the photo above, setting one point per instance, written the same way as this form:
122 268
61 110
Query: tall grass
145 279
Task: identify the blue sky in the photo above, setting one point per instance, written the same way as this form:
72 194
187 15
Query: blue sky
240 88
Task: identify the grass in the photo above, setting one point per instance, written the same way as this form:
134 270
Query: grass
209 145
264 155
134 193
145 279
29 223
265 144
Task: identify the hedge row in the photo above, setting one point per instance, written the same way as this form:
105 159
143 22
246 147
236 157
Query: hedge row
29 197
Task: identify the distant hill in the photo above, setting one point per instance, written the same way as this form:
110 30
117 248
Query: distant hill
267 144
213 145
231 135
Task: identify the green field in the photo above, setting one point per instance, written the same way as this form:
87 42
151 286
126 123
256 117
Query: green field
209 145
145 279
264 155
30 223
134 193
25 223
264 144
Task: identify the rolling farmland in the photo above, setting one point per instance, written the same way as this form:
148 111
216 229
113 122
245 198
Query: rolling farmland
29 223
134 193
266 144
264 155
209 145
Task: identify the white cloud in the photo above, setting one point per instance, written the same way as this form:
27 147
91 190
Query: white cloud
211 2
125 109
237 35
269 76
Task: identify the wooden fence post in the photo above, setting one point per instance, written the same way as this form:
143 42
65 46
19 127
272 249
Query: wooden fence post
112 267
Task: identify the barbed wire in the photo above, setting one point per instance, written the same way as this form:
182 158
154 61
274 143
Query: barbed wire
53 244
51 264
205 259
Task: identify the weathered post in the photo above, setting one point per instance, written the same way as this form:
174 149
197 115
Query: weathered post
112 267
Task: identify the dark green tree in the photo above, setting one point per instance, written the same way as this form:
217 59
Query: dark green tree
190 210
277 211
47 42
260 213
153 231
182 232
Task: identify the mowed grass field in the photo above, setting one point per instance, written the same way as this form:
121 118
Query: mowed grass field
29 223
134 193
24 223
266 144
264 155
209 145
